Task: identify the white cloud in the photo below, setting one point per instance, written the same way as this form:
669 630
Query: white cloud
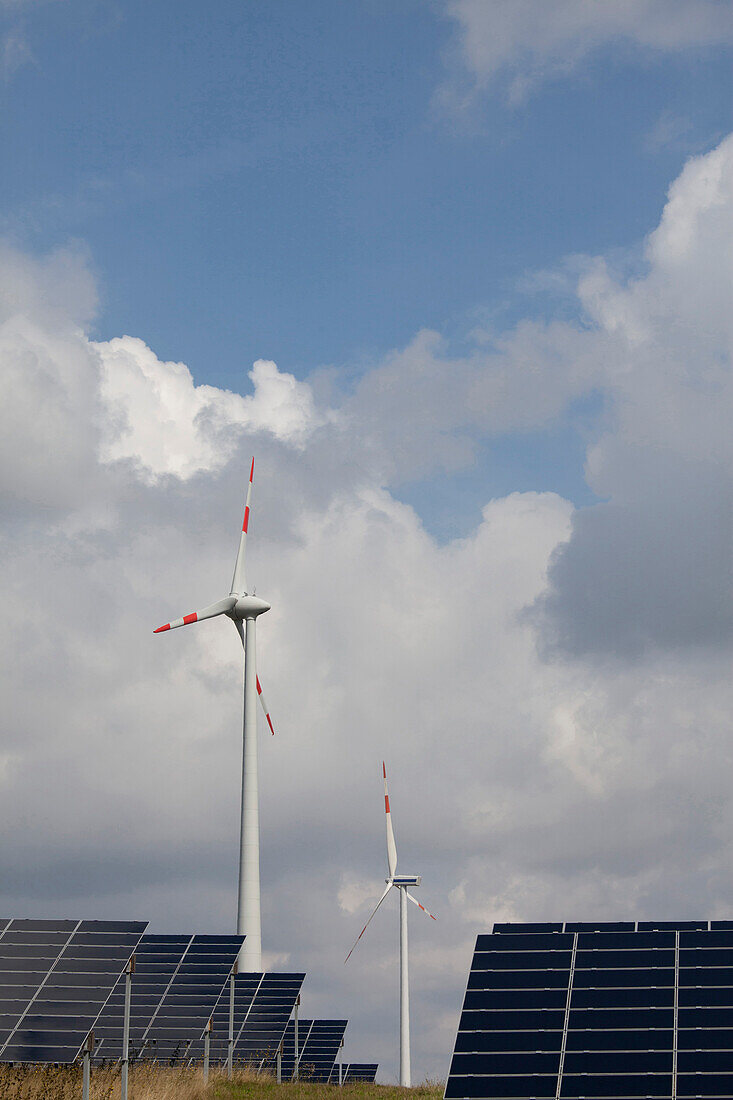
590 784
524 42
163 422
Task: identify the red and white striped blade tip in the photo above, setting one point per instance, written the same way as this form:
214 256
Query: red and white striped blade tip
221 607
417 903
264 706
192 618
245 522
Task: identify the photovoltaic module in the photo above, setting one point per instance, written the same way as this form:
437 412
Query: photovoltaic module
55 978
618 1010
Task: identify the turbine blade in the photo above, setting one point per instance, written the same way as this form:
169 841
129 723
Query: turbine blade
210 612
391 846
239 580
260 696
417 903
264 705
384 895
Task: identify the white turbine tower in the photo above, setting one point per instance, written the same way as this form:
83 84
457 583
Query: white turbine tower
243 608
400 883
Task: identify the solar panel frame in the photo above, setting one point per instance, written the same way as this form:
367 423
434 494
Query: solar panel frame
63 973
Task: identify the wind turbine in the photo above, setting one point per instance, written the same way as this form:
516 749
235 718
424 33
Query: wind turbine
243 607
400 883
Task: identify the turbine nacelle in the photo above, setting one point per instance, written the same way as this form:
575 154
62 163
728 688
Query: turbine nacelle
405 880
249 607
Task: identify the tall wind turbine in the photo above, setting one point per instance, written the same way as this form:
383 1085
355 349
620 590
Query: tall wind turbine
242 607
400 883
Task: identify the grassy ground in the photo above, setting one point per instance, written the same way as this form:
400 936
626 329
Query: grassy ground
153 1083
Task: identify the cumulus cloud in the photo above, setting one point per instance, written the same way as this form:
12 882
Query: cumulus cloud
525 42
164 423
550 692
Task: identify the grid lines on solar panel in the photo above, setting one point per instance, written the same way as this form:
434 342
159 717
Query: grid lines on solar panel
177 983
319 1042
649 1012
55 978
263 1004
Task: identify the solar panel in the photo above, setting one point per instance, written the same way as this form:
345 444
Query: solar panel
175 988
357 1071
263 1004
55 978
319 1042
602 1010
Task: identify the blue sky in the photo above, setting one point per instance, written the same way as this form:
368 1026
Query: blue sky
488 247
276 180
282 180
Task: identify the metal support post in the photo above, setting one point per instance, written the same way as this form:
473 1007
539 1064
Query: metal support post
296 1052
341 1063
124 1073
87 1066
230 1045
207 1049
280 1064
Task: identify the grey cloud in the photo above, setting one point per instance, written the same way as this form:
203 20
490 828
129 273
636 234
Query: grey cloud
651 574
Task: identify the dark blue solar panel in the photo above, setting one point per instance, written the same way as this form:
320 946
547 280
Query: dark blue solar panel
623 979
620 1040
515 998
525 960
709 1038
601 926
55 978
617 1039
626 941
177 983
538 1088
319 1042
672 925
616 1086
483 1064
623 998
358 1071
485 1041
524 943
499 929
708 1085
519 979
263 1004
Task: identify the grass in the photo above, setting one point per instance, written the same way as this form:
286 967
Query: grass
158 1083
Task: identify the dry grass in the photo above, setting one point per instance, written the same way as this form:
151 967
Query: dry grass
158 1083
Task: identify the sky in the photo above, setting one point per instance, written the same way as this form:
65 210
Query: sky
458 275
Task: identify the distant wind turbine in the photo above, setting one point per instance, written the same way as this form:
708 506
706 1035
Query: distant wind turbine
243 608
400 882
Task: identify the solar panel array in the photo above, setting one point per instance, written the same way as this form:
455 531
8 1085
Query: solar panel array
319 1042
598 1010
55 977
61 980
177 983
263 1004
